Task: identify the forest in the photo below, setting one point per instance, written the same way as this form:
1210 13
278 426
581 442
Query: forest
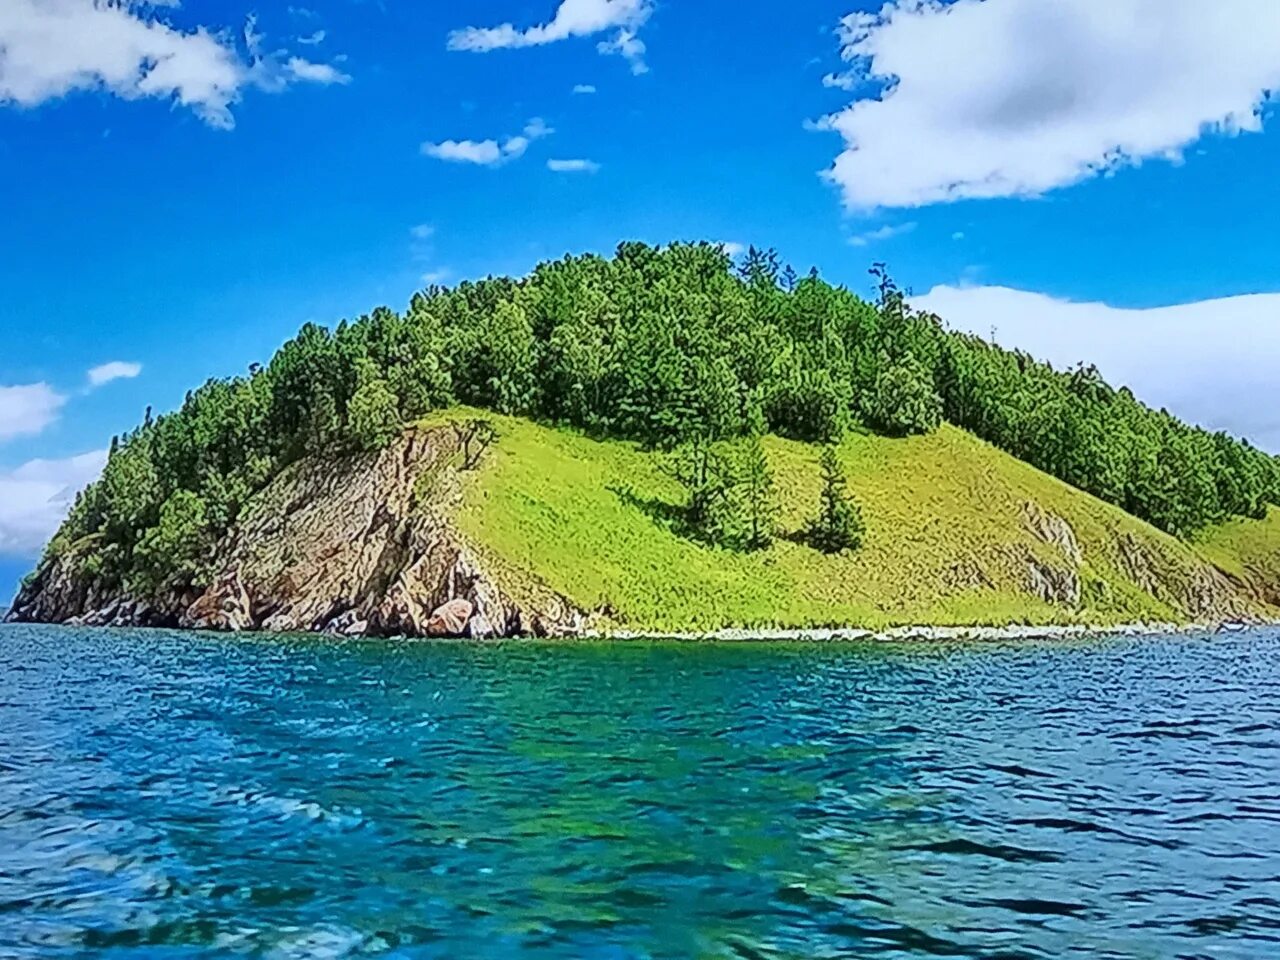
670 347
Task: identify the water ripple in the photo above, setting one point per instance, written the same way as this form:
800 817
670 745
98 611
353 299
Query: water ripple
172 795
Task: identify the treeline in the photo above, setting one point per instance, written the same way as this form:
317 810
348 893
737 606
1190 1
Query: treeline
665 346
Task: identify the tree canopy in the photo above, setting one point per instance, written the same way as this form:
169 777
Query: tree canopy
664 346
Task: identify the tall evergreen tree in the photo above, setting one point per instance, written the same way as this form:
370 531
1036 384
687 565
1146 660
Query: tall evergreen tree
838 525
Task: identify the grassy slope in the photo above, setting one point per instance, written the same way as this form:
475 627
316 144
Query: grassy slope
588 519
1248 550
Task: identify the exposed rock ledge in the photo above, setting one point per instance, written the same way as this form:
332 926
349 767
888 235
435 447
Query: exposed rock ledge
356 546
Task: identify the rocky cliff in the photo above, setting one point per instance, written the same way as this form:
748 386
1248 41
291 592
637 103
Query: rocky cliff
355 545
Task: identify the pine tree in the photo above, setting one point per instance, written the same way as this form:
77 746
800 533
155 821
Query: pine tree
757 503
838 526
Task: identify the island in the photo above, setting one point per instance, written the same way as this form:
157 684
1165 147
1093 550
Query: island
662 442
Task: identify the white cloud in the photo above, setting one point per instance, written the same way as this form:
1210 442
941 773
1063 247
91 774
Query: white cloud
887 232
958 235
115 370
573 166
434 277
423 231
584 88
314 39
321 73
537 128
1211 362
35 498
733 249
51 48
573 18
628 46
27 409
484 152
488 153
1008 98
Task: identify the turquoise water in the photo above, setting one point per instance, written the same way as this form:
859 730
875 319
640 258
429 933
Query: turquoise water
174 795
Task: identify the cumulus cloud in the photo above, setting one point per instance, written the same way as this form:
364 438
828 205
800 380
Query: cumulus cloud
573 166
887 232
1012 98
35 498
51 48
115 370
484 152
27 409
573 18
1211 362
584 88
733 249
488 153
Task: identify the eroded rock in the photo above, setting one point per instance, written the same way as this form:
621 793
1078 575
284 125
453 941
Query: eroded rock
347 545
450 619
1058 585
225 606
1054 530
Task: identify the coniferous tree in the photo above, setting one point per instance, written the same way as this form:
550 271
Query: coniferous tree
838 525
754 498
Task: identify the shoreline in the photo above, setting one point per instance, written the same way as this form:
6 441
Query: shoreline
929 633
900 634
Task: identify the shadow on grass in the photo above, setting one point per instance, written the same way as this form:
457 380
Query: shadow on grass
675 518
669 516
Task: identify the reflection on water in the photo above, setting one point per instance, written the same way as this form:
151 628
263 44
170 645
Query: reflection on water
173 795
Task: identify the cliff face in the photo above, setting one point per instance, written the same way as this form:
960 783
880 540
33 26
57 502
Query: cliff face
360 545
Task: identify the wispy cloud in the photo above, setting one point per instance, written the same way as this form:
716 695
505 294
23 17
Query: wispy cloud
584 88
887 232
573 18
321 73
573 166
115 370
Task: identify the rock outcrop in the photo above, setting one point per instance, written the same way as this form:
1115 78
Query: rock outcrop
348 546
450 619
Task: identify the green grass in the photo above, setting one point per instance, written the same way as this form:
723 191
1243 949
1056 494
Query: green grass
1247 549
946 539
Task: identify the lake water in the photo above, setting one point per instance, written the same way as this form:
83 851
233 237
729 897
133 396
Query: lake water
173 795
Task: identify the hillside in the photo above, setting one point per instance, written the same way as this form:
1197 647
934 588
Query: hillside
553 532
958 533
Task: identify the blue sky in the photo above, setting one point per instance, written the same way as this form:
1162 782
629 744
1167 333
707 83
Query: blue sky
185 186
